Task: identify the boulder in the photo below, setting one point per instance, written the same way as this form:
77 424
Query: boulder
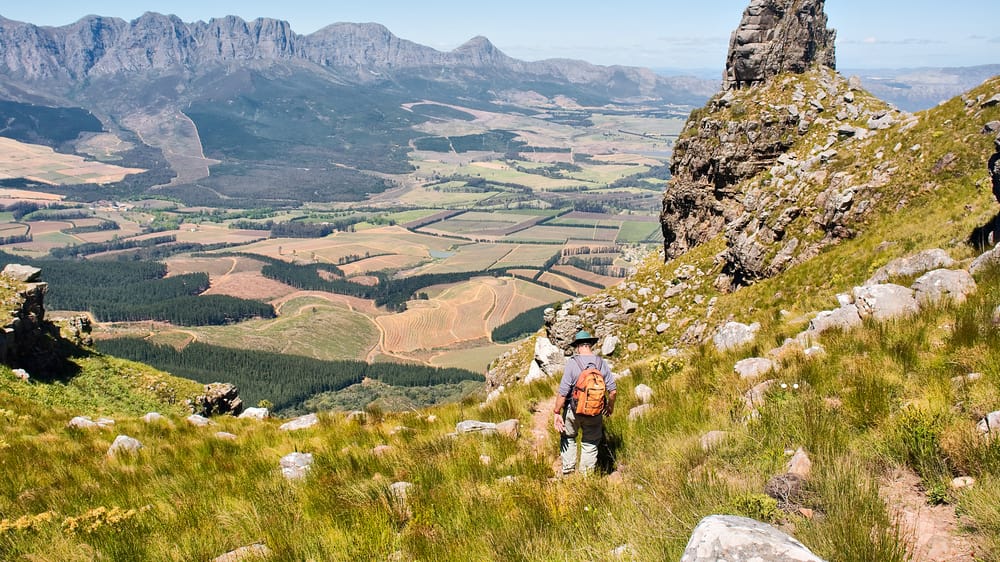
509 428
496 392
712 439
886 301
255 413
256 551
755 396
379 450
962 482
226 436
219 398
82 422
294 466
787 488
609 345
474 426
990 424
987 258
915 264
549 357
843 318
639 411
754 367
301 422
632 347
735 334
22 273
934 286
153 417
535 373
123 444
799 465
662 327
629 307
21 374
643 393
729 537
198 421
356 416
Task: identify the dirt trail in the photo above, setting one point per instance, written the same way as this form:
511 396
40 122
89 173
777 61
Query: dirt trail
541 430
931 531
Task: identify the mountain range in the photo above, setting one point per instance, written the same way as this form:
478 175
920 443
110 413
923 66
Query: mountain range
281 116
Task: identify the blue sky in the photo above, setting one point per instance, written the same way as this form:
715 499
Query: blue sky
692 34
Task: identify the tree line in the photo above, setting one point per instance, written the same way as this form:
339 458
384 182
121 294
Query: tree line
524 324
285 380
115 291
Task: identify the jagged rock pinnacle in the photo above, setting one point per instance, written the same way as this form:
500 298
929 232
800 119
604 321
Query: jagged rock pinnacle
778 36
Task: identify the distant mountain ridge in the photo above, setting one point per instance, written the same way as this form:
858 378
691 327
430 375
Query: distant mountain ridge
99 46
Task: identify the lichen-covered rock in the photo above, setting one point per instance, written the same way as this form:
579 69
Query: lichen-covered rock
734 334
475 426
301 422
643 393
885 301
124 444
728 537
843 318
509 428
22 273
934 286
916 264
255 414
754 367
295 466
198 420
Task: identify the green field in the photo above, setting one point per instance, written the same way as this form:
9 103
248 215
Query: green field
308 326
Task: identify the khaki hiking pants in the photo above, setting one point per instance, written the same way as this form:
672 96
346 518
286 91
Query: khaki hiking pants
593 430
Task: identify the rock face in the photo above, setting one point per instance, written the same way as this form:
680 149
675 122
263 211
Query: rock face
728 537
26 338
777 36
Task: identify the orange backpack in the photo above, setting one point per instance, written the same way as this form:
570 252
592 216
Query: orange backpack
588 392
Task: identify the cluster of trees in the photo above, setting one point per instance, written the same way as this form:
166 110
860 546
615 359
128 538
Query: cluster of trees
601 265
285 380
524 324
138 290
584 250
99 227
88 248
15 239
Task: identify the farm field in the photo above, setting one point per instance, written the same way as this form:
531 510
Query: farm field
568 284
586 275
374 241
42 164
462 312
566 233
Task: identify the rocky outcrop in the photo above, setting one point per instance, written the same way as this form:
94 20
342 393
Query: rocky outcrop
738 168
777 36
27 339
220 398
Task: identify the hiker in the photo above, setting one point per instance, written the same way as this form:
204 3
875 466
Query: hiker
568 422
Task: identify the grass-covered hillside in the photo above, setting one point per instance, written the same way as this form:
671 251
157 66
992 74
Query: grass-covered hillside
887 415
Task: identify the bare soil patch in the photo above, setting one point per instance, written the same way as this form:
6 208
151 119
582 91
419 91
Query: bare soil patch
931 531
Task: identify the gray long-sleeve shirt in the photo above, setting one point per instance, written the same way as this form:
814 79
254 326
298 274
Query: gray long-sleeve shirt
576 364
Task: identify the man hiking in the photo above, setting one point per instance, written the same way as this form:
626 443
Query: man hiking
586 394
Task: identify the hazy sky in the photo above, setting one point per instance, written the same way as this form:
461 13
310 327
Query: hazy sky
652 33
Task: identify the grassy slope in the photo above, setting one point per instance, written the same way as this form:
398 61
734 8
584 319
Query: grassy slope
881 398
